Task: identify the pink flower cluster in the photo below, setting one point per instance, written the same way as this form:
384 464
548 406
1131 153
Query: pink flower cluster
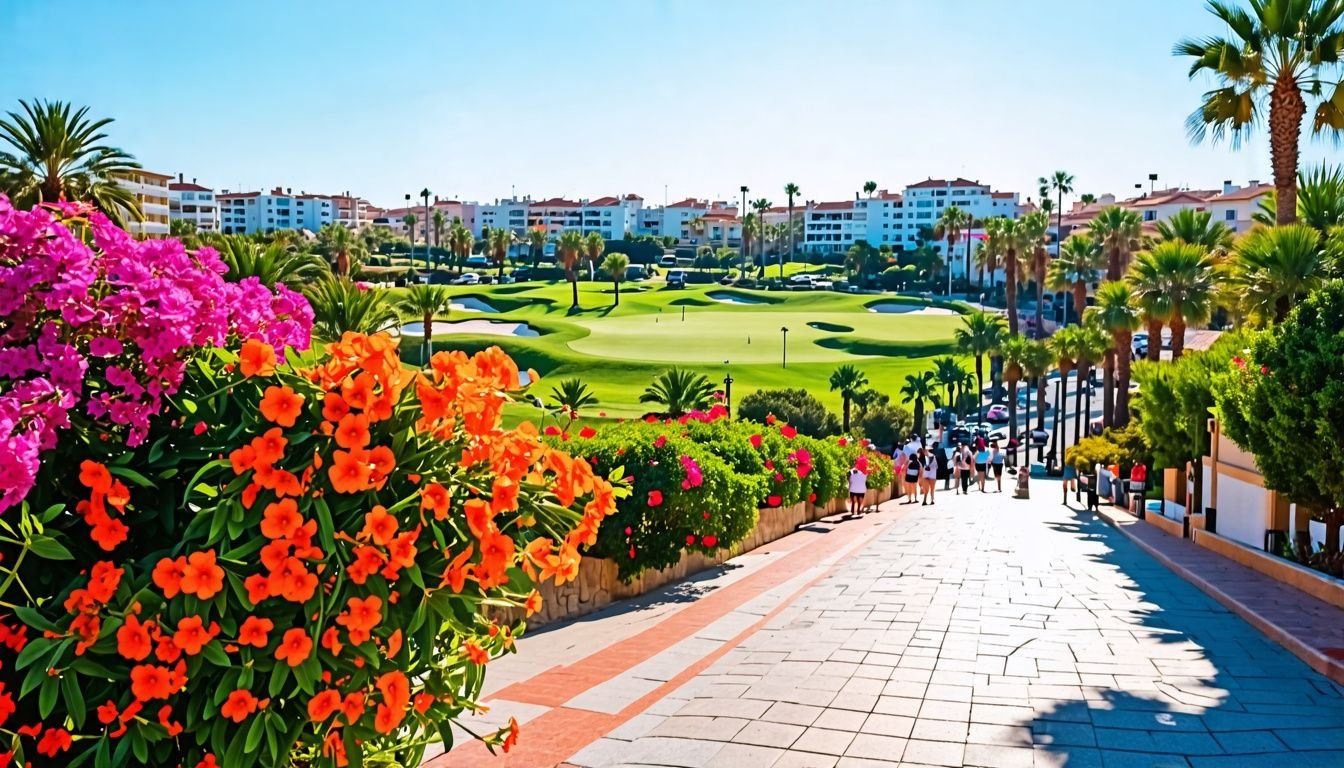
101 323
694 477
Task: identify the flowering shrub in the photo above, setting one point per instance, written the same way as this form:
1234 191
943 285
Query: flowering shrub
289 562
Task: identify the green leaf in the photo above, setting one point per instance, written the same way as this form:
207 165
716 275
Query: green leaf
74 698
130 474
29 615
47 695
254 734
214 653
50 513
35 649
48 548
279 674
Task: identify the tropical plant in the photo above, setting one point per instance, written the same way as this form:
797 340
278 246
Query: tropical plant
1197 228
1184 276
1120 231
760 206
460 241
614 267
182 228
918 388
856 260
426 302
750 225
978 336
570 249
1061 183
791 190
500 241
869 187
1078 266
1034 229
1013 352
1272 268
990 251
1320 199
410 220
1061 346
1014 238
949 374
571 396
58 153
847 380
679 391
536 243
949 228
1276 56
341 248
439 221
593 247
342 306
1116 312
269 264
799 408
1036 363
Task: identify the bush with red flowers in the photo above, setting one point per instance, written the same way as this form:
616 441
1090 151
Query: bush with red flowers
222 552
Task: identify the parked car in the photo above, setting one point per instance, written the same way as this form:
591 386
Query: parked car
1039 437
636 272
467 278
996 393
1022 399
1140 345
944 417
478 262
668 261
487 280
676 278
997 413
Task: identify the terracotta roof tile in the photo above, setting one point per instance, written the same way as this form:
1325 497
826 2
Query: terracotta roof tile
840 206
689 202
177 186
602 202
1245 193
556 202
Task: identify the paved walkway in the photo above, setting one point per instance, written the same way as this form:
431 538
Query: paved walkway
983 631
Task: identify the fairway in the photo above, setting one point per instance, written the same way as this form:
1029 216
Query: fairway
708 336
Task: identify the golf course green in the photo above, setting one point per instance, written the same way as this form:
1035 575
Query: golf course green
618 349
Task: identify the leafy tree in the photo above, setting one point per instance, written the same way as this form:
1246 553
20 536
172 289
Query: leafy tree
593 246
1013 351
797 407
1183 274
500 240
439 221
339 305
570 249
847 380
917 389
1061 183
341 248
270 264
1272 268
58 153
1277 54
1077 267
1087 198
869 187
1197 228
1117 313
884 423
410 220
949 228
1120 232
1034 229
460 241
1036 363
704 258
760 206
949 374
1320 199
1015 241
536 243
679 391
426 302
978 336
614 267
856 259
572 395
991 249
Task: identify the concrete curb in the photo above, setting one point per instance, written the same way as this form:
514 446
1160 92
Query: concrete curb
1330 667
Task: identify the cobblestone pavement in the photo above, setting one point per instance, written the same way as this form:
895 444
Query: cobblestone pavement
986 631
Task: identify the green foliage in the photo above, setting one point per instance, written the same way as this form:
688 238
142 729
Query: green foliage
572 395
881 421
1175 401
680 391
1124 446
798 407
339 305
270 264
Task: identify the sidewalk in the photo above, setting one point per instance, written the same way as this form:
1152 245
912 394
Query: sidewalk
1312 629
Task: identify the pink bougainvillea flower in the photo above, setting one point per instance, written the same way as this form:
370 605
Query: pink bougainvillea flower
660 442
788 431
551 431
690 540
842 442
773 501
694 477
710 541
755 441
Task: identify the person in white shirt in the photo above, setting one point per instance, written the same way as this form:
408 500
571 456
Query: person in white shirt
858 488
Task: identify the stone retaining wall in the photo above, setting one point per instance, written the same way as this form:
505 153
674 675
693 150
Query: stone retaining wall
597 584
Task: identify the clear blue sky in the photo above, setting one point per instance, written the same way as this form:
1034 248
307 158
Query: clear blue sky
596 97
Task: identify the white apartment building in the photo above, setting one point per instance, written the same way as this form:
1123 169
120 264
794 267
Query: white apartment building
511 213
1232 205
925 201
189 201
151 191
675 220
1235 206
249 212
612 217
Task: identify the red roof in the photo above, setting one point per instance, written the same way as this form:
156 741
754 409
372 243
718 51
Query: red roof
890 196
239 194
689 202
633 196
1175 197
602 202
718 217
840 206
187 187
556 202
1002 195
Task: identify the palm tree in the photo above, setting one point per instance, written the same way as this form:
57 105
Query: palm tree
340 305
570 249
572 395
1013 351
1184 274
1034 229
848 380
410 220
271 264
1116 312
760 206
340 245
1062 345
1277 55
949 228
948 373
1198 228
426 302
614 266
750 225
978 336
918 388
462 241
697 227
593 246
1092 345
1150 296
1077 267
1061 182
869 187
1273 267
991 249
1320 199
1035 365
1119 231
790 190
59 154
857 258
440 222
1014 238
500 240
679 391
536 243
1087 198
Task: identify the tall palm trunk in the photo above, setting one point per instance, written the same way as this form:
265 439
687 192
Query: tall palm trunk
53 189
429 337
1115 269
1154 340
982 277
1087 408
1079 301
1040 407
1108 387
1124 345
1026 424
1012 414
919 416
1084 371
1286 109
616 287
791 241
979 383
1177 335
573 278
1282 306
1038 274
844 398
1010 289
1058 436
968 255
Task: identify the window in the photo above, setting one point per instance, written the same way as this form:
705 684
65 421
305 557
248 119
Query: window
924 215
1230 215
941 203
1149 215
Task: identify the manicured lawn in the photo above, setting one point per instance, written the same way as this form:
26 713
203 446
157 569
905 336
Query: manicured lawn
618 350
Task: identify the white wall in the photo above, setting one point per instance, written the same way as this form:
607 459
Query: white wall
1241 511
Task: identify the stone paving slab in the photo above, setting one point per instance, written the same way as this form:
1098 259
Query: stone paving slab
986 631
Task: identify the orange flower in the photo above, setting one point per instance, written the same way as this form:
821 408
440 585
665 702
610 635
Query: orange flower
281 519
360 616
165 719
334 747
255 631
294 647
379 525
201 577
533 602
395 688
108 533
281 405
269 447
331 641
103 580
349 471
54 741
383 461
239 705
323 705
478 516
107 712
458 570
387 719
149 682
475 653
94 476
434 496
352 707
258 588
334 407
353 431
192 634
292 581
496 557
242 459
423 701
257 358
208 762
168 576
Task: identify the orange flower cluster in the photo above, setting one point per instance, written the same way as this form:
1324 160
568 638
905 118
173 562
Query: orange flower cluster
87 604
104 491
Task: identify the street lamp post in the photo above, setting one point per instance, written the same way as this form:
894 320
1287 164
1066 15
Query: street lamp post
728 393
784 349
410 230
1152 179
424 193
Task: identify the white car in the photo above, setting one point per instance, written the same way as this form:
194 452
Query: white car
668 261
467 278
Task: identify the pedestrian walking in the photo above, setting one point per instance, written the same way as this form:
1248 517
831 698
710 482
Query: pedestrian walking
912 471
959 469
858 489
930 474
996 460
981 466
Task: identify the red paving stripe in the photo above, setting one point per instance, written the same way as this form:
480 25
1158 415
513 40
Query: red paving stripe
561 732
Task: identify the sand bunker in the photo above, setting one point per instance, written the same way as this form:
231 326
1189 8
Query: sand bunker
731 298
892 307
472 326
469 304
